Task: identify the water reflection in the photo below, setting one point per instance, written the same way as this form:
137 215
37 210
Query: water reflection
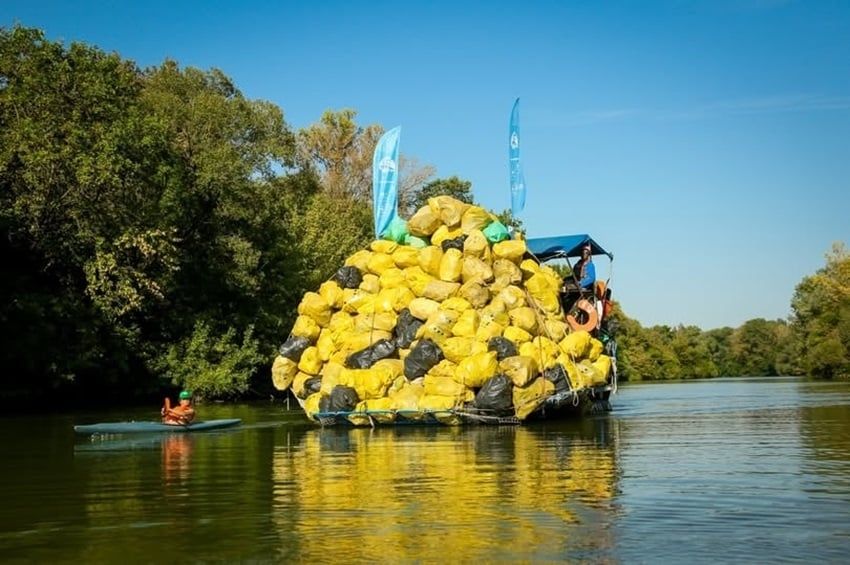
176 456
429 493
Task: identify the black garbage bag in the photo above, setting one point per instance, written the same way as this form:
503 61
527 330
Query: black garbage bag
406 328
348 277
502 346
293 347
312 386
365 358
456 243
496 394
342 399
425 355
557 375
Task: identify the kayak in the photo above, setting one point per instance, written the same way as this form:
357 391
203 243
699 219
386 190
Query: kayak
153 427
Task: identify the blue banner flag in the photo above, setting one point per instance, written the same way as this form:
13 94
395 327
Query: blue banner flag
385 180
517 178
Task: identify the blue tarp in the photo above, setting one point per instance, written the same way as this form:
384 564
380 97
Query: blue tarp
545 248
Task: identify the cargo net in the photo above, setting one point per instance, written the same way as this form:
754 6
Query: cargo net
449 320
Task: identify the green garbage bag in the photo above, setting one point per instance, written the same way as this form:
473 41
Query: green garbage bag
496 232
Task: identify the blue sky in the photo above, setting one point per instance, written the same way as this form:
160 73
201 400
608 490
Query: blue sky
707 144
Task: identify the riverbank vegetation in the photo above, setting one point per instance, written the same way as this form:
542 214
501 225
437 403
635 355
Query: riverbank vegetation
158 229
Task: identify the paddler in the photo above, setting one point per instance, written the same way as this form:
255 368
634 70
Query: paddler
181 415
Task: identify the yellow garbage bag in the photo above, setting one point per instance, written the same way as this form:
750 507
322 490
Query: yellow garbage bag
313 305
475 293
576 344
311 405
380 262
502 268
555 329
443 386
450 210
521 369
417 279
325 344
476 245
392 368
512 250
595 350
406 256
370 283
443 233
524 318
436 403
467 324
544 350
423 308
355 341
438 326
430 259
385 321
393 278
310 362
512 297
385 300
444 368
383 246
359 259
368 383
404 297
456 303
341 322
488 330
305 326
473 371
332 293
529 268
475 218
355 298
283 371
407 398
331 371
440 290
516 335
451 265
475 269
527 399
602 365
456 349
424 222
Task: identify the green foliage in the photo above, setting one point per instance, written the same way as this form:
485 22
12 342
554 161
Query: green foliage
452 186
212 365
821 322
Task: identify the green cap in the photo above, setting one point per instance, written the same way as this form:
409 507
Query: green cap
185 395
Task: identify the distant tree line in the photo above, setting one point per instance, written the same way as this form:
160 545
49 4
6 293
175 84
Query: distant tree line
814 341
159 229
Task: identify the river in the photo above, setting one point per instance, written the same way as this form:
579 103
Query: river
727 470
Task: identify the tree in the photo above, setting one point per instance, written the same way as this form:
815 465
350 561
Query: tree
821 317
341 152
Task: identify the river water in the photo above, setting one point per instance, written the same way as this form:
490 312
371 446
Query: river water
730 470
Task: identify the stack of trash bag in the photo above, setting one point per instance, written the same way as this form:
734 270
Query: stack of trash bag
448 314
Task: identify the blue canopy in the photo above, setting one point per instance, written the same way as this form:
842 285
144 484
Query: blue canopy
561 246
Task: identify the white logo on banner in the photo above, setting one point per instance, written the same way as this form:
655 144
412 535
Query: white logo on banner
514 140
386 165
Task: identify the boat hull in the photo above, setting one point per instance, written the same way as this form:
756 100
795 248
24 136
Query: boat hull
154 427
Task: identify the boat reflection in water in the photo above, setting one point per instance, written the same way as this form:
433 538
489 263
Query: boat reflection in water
430 493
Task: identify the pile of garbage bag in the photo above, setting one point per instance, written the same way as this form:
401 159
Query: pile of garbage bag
448 314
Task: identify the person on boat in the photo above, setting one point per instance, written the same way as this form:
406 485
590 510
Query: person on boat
180 415
585 271
580 280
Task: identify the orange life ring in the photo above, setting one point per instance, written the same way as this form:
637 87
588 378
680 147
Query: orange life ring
592 317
